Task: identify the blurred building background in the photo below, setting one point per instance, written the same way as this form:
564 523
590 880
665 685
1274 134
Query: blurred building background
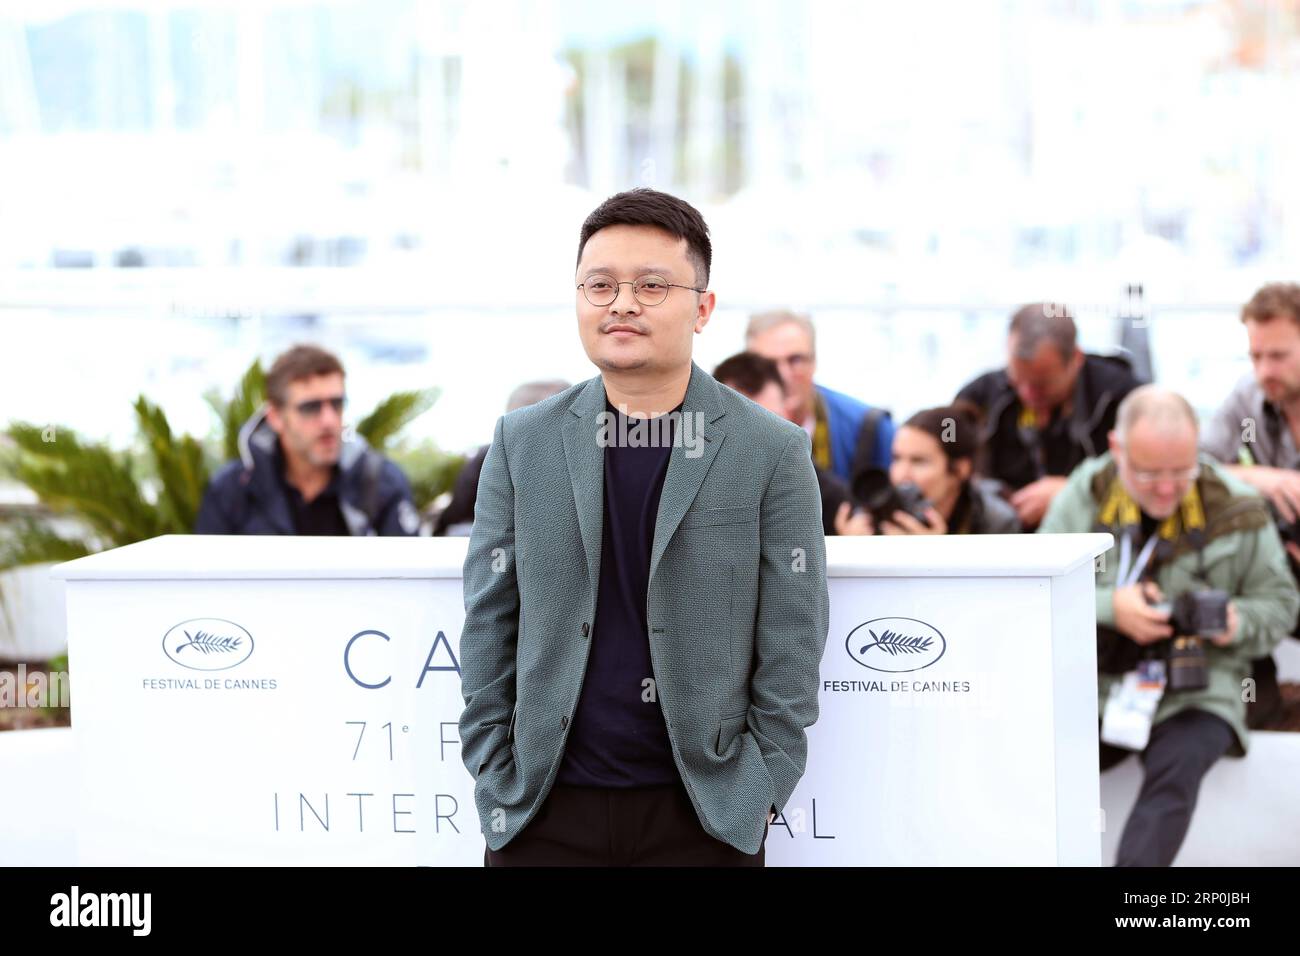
187 185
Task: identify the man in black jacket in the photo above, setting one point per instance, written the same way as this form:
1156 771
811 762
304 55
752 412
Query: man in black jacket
1048 410
296 474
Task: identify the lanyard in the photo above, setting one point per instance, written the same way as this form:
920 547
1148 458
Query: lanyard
1129 570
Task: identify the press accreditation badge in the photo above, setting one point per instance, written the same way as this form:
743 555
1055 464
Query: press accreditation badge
1131 706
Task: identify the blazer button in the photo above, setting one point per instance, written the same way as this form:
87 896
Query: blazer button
564 721
586 628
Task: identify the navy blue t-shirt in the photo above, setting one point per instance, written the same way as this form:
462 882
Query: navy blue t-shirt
618 737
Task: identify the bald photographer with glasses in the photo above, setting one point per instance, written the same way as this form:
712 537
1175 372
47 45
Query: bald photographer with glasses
1195 587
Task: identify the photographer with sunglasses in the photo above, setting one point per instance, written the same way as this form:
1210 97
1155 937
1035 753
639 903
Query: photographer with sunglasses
296 474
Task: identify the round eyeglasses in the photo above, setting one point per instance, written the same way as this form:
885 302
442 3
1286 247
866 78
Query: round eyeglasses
602 290
1177 475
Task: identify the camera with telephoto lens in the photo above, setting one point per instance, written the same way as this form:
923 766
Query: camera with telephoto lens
1194 616
882 498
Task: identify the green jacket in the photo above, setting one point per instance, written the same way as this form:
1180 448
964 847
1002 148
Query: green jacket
1242 556
737 606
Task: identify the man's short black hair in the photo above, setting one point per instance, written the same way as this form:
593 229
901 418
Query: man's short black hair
649 207
749 373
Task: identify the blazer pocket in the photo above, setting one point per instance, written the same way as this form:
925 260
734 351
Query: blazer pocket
713 517
495 746
729 730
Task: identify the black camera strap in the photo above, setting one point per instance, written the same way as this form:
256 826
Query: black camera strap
1163 551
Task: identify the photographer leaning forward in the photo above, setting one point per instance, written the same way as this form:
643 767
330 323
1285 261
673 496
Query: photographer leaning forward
930 487
1195 588
1256 433
1048 410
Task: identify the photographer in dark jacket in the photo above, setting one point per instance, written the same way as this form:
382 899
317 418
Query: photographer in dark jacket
296 474
1048 410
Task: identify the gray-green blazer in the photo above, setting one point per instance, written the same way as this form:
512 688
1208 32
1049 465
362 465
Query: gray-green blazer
737 605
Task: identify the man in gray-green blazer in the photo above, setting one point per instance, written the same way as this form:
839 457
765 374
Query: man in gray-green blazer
645 587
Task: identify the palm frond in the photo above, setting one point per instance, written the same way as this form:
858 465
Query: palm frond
179 464
248 397
393 414
88 479
25 541
111 492
430 470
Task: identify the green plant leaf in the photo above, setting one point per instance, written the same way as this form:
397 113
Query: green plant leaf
248 397
393 414
87 479
179 464
26 541
429 470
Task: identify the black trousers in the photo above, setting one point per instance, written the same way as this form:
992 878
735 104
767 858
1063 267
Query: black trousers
1267 705
1181 750
601 826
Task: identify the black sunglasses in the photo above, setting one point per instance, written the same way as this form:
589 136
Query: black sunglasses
312 408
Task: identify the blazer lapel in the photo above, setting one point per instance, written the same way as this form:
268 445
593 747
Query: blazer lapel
586 461
703 406
687 465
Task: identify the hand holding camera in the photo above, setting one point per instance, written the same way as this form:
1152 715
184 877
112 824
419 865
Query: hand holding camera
1229 633
850 520
1138 614
1144 616
904 522
897 509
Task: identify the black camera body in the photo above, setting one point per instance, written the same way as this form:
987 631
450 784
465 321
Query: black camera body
905 497
882 498
1194 615
1200 613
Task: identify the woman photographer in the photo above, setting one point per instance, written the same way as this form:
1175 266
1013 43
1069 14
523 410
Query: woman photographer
931 487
